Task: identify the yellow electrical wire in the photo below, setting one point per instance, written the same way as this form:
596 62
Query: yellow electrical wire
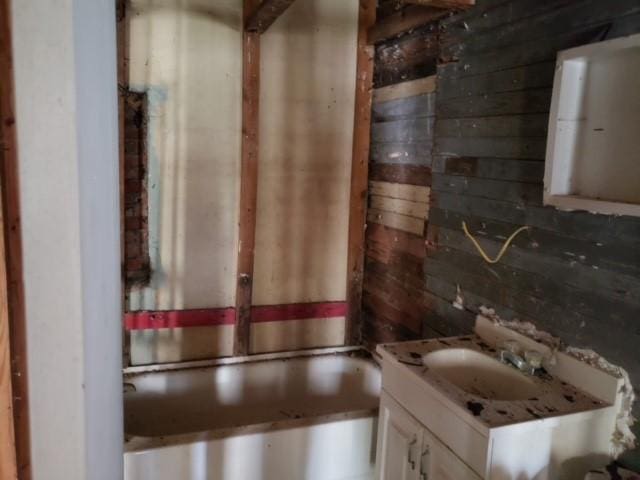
502 250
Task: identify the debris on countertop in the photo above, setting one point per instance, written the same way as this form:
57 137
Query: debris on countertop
527 329
623 437
555 398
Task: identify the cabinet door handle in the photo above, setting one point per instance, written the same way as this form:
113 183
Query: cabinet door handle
425 460
410 459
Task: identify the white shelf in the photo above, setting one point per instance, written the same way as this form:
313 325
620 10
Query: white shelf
593 149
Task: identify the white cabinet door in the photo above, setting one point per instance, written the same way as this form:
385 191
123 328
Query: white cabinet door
437 462
399 443
408 451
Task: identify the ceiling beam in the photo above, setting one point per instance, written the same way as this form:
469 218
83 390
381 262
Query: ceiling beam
402 21
448 4
265 14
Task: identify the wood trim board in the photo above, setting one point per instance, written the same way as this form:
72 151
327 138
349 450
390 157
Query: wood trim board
412 193
399 206
121 38
411 88
13 250
8 462
395 220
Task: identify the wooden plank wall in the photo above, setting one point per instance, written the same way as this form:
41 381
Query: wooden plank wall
574 274
395 300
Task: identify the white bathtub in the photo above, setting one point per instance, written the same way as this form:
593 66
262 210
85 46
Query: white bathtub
273 417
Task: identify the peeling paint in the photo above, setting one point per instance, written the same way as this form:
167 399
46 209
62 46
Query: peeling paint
623 438
459 301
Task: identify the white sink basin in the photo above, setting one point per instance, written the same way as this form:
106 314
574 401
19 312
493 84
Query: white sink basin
480 375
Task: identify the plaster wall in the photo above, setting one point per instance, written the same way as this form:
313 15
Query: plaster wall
187 56
307 96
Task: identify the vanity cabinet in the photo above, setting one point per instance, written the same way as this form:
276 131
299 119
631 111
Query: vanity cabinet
409 451
451 410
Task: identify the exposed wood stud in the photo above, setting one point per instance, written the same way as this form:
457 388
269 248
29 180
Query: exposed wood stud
359 171
13 249
248 181
265 14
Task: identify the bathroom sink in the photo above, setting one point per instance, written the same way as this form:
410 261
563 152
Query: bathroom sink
480 374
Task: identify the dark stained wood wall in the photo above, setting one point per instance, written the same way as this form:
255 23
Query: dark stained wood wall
574 274
396 303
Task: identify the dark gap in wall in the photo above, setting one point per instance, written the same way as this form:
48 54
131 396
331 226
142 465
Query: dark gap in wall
137 266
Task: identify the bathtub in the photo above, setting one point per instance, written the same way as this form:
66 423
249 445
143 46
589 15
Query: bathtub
266 417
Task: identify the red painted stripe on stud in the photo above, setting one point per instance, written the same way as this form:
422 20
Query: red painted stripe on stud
210 317
154 320
298 311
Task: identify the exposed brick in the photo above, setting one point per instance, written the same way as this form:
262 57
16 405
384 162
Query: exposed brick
134 186
133 223
132 236
133 251
136 237
132 147
134 210
132 199
135 265
131 173
133 161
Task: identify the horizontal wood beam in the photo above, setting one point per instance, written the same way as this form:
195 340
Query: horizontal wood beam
448 4
402 21
265 14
